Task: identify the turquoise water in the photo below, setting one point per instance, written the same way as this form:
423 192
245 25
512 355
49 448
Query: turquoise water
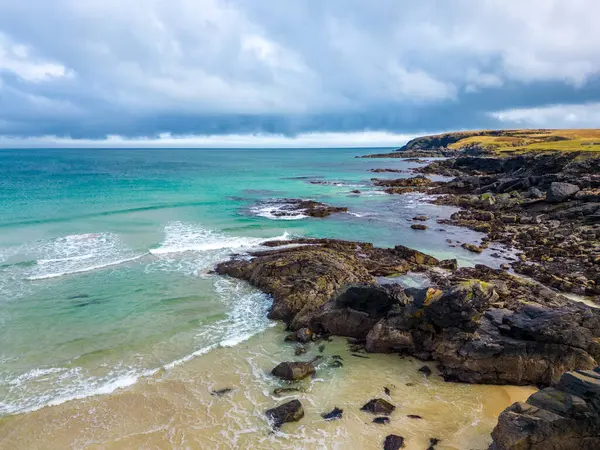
105 255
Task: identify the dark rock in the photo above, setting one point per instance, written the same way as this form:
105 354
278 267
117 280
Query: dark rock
336 413
425 370
304 335
433 442
300 350
393 442
321 348
414 416
418 226
292 206
283 391
462 306
450 264
302 278
564 417
293 371
378 406
381 420
387 390
221 392
535 193
560 192
415 256
472 248
288 412
421 218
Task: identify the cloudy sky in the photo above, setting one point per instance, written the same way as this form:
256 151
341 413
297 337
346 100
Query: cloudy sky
206 72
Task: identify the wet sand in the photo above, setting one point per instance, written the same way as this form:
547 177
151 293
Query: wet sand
175 408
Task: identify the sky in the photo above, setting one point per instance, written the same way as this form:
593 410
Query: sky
291 73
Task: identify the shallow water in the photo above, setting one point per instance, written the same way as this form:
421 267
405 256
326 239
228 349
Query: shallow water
105 284
175 409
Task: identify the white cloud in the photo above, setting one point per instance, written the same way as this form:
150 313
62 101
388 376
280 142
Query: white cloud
143 60
166 140
17 59
585 115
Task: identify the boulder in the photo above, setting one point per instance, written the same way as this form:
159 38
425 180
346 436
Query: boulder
356 309
378 406
288 412
304 335
293 371
462 306
560 418
560 192
419 226
381 420
393 442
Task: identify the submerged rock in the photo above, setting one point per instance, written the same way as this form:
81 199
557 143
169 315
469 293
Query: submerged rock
293 371
378 406
283 391
393 442
221 392
291 411
335 414
418 226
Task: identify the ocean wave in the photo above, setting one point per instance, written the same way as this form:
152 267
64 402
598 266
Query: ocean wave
362 214
50 386
183 237
77 254
84 269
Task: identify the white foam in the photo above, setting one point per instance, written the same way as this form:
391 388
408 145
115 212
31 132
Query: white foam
363 214
247 317
83 269
273 212
77 254
71 384
184 237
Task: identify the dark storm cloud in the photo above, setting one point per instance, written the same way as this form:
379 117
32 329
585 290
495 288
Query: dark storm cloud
90 69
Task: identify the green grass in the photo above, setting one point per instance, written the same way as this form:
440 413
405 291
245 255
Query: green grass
519 141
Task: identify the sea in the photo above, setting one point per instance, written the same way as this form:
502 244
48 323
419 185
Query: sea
114 331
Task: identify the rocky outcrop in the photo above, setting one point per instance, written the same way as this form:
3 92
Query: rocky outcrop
546 206
291 207
563 417
302 278
480 325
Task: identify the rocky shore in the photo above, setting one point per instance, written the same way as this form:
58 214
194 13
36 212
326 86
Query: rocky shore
545 206
477 325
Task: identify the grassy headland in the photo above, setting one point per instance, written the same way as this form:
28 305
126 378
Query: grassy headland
512 141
